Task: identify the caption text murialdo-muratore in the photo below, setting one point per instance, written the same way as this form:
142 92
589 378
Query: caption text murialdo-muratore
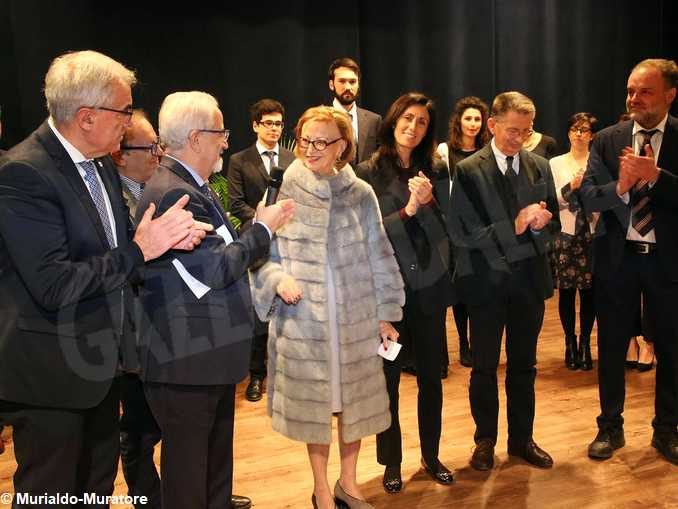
67 499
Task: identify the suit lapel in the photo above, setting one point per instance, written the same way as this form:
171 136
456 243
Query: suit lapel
111 180
65 165
362 133
668 153
254 158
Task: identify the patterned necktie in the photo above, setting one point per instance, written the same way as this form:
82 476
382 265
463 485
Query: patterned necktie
207 191
271 159
98 198
642 218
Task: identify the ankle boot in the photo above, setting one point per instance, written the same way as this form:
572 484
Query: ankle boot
465 353
571 352
584 357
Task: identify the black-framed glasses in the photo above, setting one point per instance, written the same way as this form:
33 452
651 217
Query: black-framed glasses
580 130
154 148
224 132
270 124
127 111
319 145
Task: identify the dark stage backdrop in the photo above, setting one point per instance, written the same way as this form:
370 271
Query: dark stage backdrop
568 55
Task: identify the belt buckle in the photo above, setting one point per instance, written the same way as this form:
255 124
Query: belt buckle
643 247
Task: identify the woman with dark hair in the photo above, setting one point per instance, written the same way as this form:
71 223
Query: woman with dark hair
467 134
571 255
412 184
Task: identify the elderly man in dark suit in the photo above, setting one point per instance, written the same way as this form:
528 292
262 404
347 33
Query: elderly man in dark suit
248 178
503 209
196 340
68 256
632 178
344 83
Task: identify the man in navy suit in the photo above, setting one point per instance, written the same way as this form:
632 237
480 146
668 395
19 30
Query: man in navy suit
632 178
248 178
344 83
68 257
195 342
503 210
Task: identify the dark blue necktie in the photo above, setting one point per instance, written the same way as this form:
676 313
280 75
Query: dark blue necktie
98 198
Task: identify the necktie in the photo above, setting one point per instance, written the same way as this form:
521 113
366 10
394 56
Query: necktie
271 159
641 207
98 198
207 191
511 179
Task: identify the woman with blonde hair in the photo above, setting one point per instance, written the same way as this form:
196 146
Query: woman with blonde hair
330 289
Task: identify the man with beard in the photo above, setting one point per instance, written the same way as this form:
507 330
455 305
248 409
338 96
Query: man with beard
248 178
344 82
632 178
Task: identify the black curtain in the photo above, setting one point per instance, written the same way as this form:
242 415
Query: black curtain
567 55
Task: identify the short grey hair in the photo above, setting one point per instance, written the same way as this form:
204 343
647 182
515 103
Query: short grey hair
512 101
183 112
667 68
82 78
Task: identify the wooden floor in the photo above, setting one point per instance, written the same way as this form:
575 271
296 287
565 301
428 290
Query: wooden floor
274 471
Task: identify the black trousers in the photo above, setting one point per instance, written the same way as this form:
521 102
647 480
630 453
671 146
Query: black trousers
617 301
424 332
139 434
259 348
60 450
518 309
196 462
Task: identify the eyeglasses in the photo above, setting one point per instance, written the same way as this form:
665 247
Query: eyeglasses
270 124
580 130
127 111
155 148
319 145
515 133
224 132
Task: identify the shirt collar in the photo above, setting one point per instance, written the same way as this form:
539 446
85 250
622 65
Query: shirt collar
198 179
73 152
659 127
340 106
261 148
501 158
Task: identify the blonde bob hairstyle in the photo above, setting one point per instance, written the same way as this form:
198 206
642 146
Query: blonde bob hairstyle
340 119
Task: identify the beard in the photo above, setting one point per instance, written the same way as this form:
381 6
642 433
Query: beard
346 98
218 165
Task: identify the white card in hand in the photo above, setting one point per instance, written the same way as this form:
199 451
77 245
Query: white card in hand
391 352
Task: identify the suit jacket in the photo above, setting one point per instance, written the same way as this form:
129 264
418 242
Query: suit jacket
131 202
184 339
486 248
368 129
248 180
61 286
421 244
599 194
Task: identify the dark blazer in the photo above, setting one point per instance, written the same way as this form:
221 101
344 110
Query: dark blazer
186 340
61 287
248 180
368 129
598 193
421 244
483 234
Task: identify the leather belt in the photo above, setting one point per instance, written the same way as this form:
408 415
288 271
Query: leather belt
641 247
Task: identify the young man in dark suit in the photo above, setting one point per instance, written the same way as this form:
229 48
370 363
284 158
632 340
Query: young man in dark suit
68 256
195 342
632 178
344 83
503 210
248 178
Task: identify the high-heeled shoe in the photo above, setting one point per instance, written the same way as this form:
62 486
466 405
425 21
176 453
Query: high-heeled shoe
392 480
347 501
439 472
632 353
643 354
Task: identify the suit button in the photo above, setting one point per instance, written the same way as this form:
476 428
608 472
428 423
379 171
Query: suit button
413 266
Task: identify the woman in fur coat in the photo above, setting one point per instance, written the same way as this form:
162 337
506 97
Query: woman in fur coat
330 289
412 185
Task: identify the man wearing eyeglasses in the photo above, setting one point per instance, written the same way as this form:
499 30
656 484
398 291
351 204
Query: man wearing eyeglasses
344 83
248 178
503 210
69 256
195 343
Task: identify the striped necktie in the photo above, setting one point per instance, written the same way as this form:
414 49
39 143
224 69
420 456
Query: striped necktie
642 218
98 198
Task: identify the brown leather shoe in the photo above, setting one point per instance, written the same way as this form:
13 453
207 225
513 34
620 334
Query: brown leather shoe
483 456
531 453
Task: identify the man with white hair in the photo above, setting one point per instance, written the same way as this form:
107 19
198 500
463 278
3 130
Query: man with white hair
68 257
196 341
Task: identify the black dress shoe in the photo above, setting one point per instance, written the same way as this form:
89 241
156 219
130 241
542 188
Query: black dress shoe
254 389
483 456
667 444
392 480
605 443
439 472
410 370
238 502
531 453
